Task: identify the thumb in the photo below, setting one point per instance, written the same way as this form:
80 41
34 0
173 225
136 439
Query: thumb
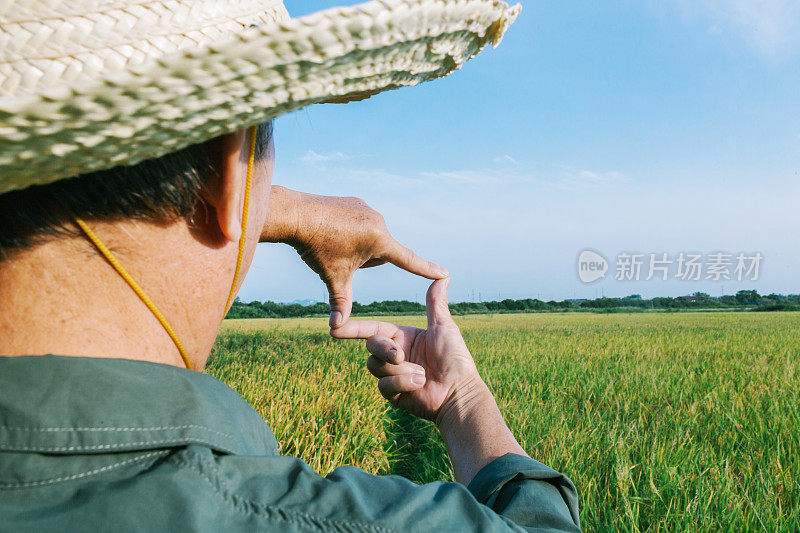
340 296
436 303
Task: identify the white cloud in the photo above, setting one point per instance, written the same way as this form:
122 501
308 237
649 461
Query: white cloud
316 158
770 26
577 179
378 177
345 168
594 177
477 177
505 159
565 177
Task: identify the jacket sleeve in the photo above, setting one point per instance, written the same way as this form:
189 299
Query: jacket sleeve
529 493
512 493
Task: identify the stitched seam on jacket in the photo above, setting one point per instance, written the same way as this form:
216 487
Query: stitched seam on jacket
96 471
184 440
155 428
236 502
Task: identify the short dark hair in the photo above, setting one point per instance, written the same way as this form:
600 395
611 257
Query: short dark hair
162 189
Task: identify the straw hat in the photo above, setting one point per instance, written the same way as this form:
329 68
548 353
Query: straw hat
90 84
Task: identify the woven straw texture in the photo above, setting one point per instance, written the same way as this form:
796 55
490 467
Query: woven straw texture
87 85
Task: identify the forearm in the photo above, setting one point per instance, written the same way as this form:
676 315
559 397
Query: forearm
283 215
296 217
522 490
474 431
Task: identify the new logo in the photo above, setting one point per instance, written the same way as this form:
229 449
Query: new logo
591 266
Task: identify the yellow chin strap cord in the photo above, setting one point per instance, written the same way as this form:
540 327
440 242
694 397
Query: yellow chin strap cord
245 210
103 249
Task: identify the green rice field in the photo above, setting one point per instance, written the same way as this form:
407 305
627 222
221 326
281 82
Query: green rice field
664 421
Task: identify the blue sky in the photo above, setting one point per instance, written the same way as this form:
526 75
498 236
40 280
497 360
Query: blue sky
648 126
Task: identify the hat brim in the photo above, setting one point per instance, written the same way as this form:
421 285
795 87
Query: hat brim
337 55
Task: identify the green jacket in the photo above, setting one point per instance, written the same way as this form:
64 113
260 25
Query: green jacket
100 444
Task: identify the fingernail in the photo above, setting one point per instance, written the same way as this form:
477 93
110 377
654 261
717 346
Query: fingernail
443 273
419 370
392 356
336 319
418 380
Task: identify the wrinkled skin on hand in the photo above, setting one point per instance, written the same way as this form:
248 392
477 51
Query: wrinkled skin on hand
336 236
428 372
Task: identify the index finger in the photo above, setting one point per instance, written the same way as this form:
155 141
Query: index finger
405 258
364 329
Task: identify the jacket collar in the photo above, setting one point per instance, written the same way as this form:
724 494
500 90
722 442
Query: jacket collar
80 405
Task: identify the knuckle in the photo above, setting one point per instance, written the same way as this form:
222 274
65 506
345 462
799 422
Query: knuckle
383 386
375 218
338 300
375 229
387 396
376 225
356 201
373 365
378 350
409 255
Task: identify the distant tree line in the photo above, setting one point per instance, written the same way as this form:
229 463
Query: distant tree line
742 300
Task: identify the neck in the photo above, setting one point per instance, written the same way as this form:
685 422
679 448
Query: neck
63 298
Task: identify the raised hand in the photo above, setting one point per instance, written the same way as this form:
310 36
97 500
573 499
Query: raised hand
428 372
335 237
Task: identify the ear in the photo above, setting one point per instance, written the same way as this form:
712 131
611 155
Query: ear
224 192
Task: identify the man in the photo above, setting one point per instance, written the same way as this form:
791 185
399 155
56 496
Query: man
113 283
